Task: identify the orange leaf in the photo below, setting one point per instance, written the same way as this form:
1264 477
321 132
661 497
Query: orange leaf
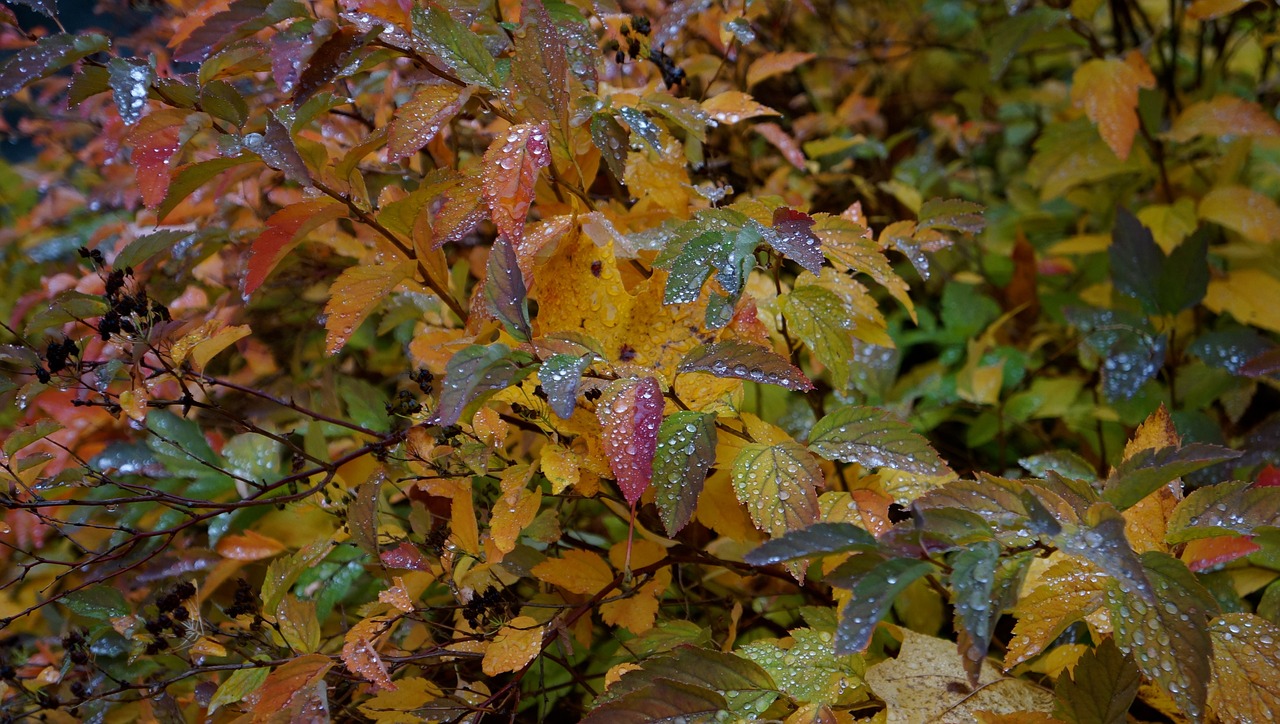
360 655
511 168
397 596
1223 116
418 121
734 106
1066 593
771 64
289 685
153 150
1108 92
353 296
783 141
1211 9
576 571
284 229
1204 554
248 546
517 644
637 612
515 509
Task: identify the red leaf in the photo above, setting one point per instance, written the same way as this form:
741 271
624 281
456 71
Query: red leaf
405 556
153 151
1268 477
511 168
284 228
325 64
783 141
630 412
1206 553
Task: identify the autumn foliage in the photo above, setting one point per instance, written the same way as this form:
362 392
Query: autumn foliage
538 360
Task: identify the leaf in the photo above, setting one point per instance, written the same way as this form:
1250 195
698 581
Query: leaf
282 573
155 142
298 625
807 669
1246 668
1231 507
793 237
1136 260
1144 472
285 228
561 376
1222 115
1108 92
630 412
100 602
1249 295
876 581
640 125
130 80
1163 629
396 706
192 176
516 645
540 68
927 683
511 168
745 361
981 588
248 546
952 214
289 685
872 438
1067 591
515 508
355 294
1100 689
771 64
326 62
46 7
421 119
662 701
740 680
504 290
849 246
239 19
278 151
1210 9
222 100
238 687
815 540
48 56
735 106
611 139
576 571
682 460
1252 214
778 483
455 44
1131 351
360 655
21 437
815 315
475 370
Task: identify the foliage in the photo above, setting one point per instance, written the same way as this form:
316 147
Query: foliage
435 361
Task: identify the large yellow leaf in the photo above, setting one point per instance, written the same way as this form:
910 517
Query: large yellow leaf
1249 295
660 177
1254 215
771 64
1065 593
1108 92
1246 668
576 571
354 294
637 612
517 644
397 706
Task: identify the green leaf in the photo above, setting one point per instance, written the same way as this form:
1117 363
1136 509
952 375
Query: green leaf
817 315
180 445
1233 507
192 176
1164 628
1063 462
221 99
504 290
560 376
876 581
1100 689
238 686
686 451
662 701
99 601
283 572
808 670
67 307
473 371
89 81
145 247
951 214
1102 542
48 56
1131 350
1145 471
872 438
640 125
24 436
1136 261
1185 277
777 484
819 539
745 361
462 50
982 587
723 673
611 138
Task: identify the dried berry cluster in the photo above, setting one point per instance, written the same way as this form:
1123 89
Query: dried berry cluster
493 603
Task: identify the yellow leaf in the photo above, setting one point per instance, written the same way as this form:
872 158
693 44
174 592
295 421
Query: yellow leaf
397 706
637 612
353 296
1211 9
1253 215
560 465
205 342
205 646
662 178
1249 295
1170 223
397 596
465 532
515 508
360 655
1223 115
1246 668
489 426
927 683
1066 592
1108 92
734 106
576 571
1146 522
771 64
516 645
297 623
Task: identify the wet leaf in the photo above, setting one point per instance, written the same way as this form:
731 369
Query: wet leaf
1232 507
48 56
816 540
130 80
807 669
794 239
279 152
1131 351
630 412
356 292
515 508
21 437
1246 668
460 49
100 602
239 19
1108 92
1065 593
504 290
735 106
772 64
815 315
360 655
1147 470
778 484
745 361
515 646
474 371
540 68
398 706
981 588
511 168
1100 689
951 214
423 117
190 177
662 701
1252 214
576 571
741 681
156 140
238 687
872 438
285 228
876 581
611 138
326 62
1222 115
290 685
561 375
683 458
